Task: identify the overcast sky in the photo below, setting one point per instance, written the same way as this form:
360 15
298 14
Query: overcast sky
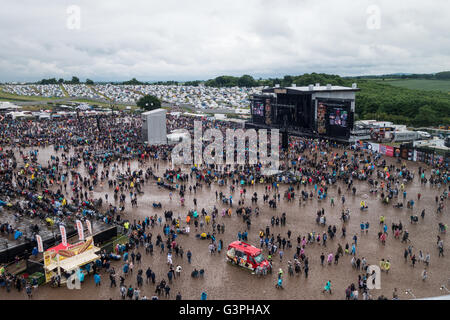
201 39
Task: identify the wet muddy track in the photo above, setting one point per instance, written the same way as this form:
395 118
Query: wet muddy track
224 281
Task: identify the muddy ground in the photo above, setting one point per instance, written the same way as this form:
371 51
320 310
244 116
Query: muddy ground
224 281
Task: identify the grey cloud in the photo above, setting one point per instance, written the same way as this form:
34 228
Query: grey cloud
200 39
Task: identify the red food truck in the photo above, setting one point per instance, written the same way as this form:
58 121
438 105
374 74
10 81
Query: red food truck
247 256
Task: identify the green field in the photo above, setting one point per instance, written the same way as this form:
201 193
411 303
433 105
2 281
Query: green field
421 84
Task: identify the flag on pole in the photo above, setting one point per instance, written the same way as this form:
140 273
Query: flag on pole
89 226
62 229
80 230
40 245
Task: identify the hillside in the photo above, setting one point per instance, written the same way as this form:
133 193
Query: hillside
422 84
383 101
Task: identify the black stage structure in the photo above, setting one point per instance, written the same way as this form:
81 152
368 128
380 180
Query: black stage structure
314 111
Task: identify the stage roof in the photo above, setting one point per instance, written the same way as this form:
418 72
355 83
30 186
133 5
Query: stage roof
76 261
155 111
307 89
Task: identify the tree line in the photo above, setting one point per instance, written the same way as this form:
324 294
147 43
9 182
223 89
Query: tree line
445 75
401 105
75 80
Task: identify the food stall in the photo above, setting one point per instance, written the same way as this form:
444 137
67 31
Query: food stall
68 258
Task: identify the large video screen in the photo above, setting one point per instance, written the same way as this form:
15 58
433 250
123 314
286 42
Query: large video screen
338 117
268 112
258 111
333 117
258 108
321 115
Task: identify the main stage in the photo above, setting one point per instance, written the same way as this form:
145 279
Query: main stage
315 111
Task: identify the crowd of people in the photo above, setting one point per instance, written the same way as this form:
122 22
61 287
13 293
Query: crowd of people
91 158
